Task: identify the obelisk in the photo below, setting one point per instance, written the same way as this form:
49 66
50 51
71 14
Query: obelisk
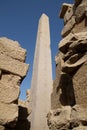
41 86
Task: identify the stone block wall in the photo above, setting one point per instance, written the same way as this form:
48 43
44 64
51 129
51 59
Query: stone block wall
12 72
69 96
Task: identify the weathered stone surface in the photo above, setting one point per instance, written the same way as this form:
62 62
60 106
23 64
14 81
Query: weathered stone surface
12 71
64 8
70 85
81 35
79 27
78 116
80 12
11 90
68 27
55 103
79 46
13 66
65 42
71 67
8 113
59 119
12 49
6 94
63 92
68 14
74 58
80 128
72 44
80 87
9 42
67 118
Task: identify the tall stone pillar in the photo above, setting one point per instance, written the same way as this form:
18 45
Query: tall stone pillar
41 86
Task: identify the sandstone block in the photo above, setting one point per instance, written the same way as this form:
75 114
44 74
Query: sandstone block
67 55
79 27
80 85
68 14
68 68
68 27
9 88
10 79
55 103
81 35
64 9
74 58
8 113
7 94
65 42
79 46
9 42
9 48
13 66
80 12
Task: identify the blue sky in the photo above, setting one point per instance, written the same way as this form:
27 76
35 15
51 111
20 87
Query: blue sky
19 21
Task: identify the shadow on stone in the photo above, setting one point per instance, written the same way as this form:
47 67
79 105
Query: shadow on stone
67 96
22 123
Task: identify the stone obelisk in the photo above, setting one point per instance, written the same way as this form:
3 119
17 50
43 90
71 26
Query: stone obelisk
41 86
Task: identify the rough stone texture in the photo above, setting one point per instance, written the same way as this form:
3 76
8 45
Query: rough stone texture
59 119
13 66
68 118
8 113
70 85
12 49
65 42
10 83
64 8
68 14
12 71
80 87
41 86
80 26
67 28
80 12
78 116
55 94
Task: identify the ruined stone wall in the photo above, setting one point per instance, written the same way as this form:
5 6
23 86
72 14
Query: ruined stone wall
12 71
69 96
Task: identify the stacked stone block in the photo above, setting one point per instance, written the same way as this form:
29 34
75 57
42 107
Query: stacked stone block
69 96
12 71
